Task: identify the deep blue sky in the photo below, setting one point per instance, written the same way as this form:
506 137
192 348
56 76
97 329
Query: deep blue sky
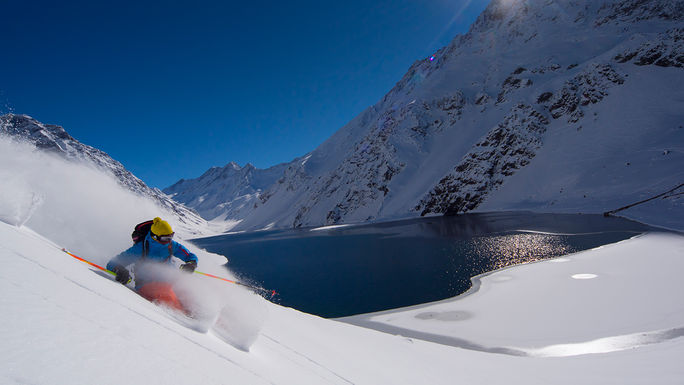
171 88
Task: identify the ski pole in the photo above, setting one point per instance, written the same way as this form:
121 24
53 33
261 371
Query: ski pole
90 263
273 292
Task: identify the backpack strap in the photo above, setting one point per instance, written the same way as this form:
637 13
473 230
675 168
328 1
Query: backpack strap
145 248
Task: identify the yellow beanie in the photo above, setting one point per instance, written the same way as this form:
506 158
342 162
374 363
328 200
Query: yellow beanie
161 227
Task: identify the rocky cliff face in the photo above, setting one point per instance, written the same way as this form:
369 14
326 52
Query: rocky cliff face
508 147
539 106
667 50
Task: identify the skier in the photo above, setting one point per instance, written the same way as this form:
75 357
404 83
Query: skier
156 248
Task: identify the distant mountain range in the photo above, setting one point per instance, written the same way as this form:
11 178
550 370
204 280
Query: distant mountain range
227 193
561 106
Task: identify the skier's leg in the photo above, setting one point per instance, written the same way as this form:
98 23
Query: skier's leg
161 292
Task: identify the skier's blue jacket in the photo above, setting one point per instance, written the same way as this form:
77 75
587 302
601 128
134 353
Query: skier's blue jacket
157 252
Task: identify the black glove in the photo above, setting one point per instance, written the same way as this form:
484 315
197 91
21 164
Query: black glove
122 274
189 267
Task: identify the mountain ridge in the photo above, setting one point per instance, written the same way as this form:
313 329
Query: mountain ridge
227 192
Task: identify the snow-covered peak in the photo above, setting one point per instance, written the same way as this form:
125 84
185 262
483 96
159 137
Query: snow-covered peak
501 13
45 136
513 17
225 193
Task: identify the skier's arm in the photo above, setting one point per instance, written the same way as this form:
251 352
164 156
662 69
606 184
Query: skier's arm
182 253
126 257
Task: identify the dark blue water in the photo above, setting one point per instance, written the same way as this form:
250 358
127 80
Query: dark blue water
352 270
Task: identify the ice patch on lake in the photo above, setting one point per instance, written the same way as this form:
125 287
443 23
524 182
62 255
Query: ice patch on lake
584 276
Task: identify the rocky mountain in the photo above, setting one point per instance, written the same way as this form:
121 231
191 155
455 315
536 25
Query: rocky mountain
224 193
546 105
55 139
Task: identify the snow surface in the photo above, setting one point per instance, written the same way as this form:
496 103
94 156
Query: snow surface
64 322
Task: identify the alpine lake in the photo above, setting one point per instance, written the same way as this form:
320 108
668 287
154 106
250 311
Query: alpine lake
341 271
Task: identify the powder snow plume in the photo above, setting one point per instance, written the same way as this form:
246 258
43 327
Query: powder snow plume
72 204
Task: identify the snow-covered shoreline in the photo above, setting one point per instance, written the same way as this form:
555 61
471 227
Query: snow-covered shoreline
422 321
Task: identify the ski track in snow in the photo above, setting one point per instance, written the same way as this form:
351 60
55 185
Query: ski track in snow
306 358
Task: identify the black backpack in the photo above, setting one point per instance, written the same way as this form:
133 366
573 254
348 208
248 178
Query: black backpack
141 230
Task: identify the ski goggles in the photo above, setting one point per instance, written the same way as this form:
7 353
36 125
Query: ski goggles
163 238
